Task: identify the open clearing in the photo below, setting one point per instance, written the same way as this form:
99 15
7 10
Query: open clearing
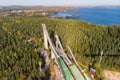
111 75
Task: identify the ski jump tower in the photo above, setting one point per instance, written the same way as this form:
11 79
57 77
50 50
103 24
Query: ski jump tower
48 43
54 51
64 71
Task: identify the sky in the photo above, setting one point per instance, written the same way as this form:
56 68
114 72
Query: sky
59 2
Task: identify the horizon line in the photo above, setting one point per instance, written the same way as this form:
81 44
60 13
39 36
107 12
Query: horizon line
61 5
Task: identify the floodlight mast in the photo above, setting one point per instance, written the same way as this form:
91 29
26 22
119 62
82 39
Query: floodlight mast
100 58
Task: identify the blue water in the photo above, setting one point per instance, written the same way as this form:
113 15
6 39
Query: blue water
103 15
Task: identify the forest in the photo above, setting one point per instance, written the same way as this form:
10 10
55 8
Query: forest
19 58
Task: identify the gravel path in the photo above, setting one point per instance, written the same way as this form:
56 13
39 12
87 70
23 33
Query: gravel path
111 75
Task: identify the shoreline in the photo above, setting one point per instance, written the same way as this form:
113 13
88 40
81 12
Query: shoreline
33 11
89 15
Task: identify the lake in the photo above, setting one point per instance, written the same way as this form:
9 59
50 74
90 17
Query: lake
94 15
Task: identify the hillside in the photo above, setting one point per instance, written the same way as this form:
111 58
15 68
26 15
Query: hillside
39 11
19 58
